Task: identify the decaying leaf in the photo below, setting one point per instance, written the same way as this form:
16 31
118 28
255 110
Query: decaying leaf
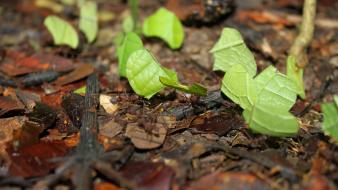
154 176
82 70
107 104
8 126
146 139
228 180
34 160
110 129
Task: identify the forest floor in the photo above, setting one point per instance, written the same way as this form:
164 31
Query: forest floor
174 140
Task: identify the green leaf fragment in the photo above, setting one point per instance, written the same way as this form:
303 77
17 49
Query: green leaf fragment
231 50
193 89
143 73
88 20
271 121
131 43
296 74
276 94
330 123
128 24
275 89
266 100
239 86
335 99
81 90
63 33
165 25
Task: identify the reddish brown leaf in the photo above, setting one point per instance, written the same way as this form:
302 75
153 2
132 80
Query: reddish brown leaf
54 100
315 182
263 18
219 125
11 69
228 180
8 103
19 63
81 71
106 186
33 160
184 9
55 63
154 176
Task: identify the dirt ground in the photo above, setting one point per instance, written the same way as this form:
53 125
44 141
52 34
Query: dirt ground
174 140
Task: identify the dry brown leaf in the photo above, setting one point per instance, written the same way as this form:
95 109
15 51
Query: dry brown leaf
8 126
110 129
107 105
149 139
81 71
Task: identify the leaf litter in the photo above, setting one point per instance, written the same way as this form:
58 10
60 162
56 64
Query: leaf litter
175 139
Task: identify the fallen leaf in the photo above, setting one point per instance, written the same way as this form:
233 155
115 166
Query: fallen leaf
29 99
8 126
72 140
154 176
110 129
106 186
43 115
107 104
17 63
8 103
73 104
34 160
219 125
149 139
228 180
81 71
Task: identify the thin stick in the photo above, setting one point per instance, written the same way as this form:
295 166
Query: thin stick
302 42
89 144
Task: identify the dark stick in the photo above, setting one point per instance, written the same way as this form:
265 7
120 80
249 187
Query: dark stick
89 144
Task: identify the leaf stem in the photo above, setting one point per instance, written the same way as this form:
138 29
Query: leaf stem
298 48
133 5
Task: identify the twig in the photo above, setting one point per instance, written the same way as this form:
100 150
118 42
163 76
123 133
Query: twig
89 128
298 48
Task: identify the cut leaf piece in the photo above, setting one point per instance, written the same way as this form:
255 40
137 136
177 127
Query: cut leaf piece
165 25
131 43
143 73
128 24
330 123
239 86
231 50
271 121
88 20
193 89
275 90
295 74
81 90
63 33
